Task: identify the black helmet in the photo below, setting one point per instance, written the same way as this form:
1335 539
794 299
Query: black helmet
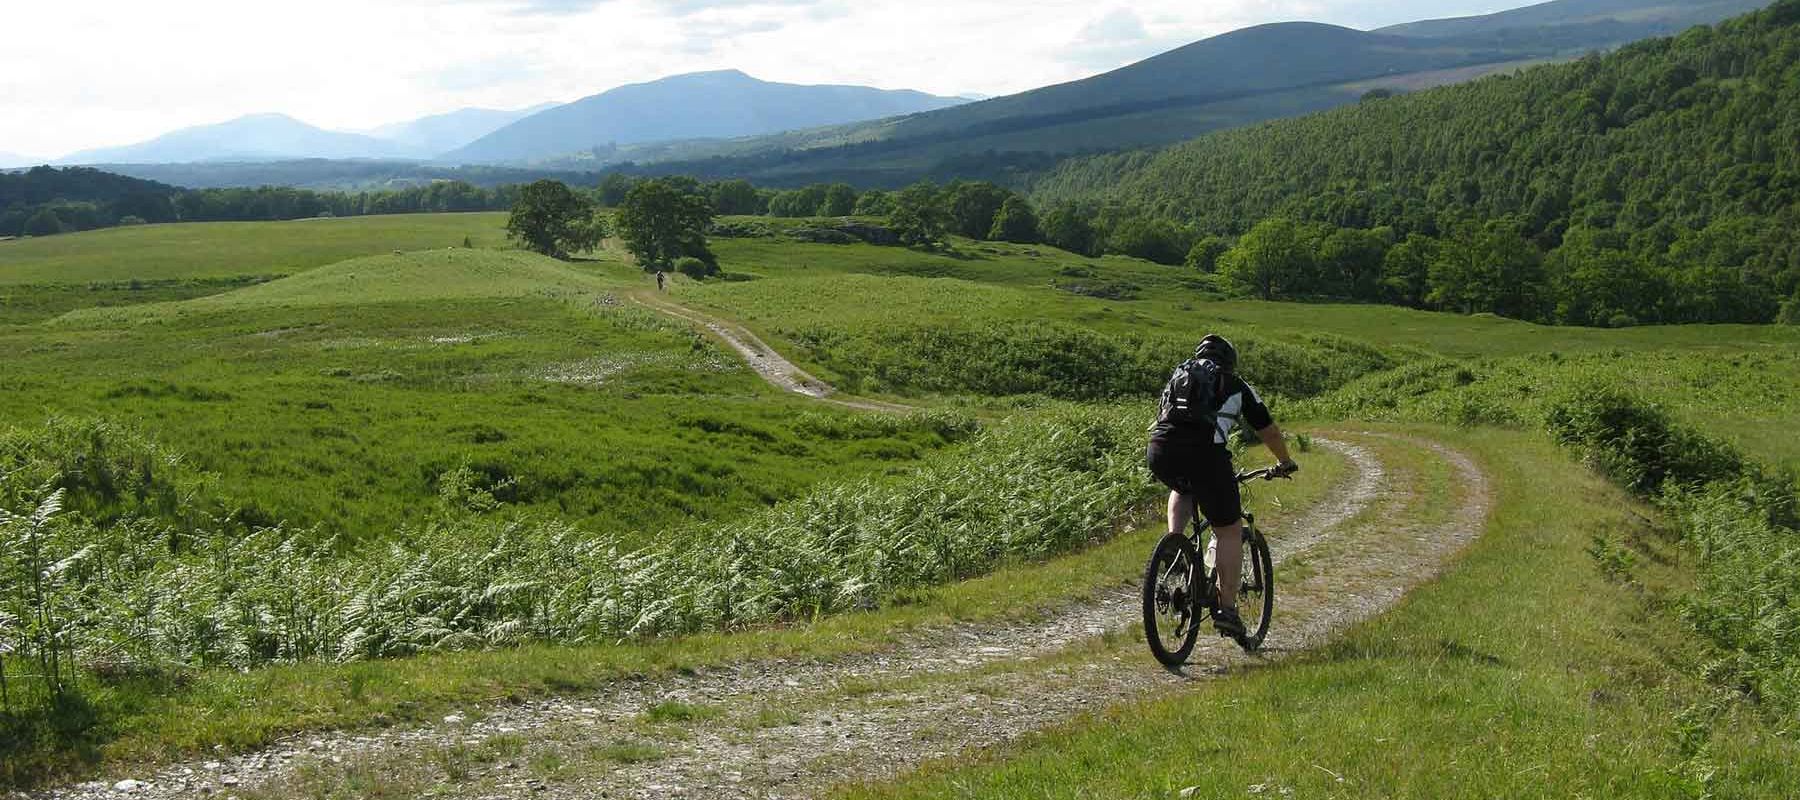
1215 348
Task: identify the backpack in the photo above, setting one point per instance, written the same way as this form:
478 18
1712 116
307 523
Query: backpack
1191 397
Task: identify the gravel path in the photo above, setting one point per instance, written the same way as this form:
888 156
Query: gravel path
768 363
792 729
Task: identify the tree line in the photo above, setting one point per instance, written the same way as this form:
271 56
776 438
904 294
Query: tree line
1658 183
45 201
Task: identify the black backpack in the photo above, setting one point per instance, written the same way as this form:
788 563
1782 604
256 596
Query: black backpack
1192 395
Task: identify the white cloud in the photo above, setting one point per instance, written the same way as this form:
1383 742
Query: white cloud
84 73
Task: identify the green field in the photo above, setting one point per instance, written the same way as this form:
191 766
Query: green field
341 395
485 417
148 253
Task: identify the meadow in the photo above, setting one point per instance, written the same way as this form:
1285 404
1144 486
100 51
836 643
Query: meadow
379 459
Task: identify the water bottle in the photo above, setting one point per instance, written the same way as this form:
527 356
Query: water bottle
1212 552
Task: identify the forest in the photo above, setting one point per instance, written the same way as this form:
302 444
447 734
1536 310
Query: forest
1656 184
44 201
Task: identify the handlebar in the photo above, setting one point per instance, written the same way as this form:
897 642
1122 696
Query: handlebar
1266 473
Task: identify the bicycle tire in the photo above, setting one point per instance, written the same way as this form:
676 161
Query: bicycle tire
1170 607
1256 591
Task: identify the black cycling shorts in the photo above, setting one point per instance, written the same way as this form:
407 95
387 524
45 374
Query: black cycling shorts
1201 471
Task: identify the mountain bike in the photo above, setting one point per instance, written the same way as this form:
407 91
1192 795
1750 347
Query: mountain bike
1181 592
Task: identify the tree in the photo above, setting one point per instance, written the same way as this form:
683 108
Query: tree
1406 270
1271 260
661 223
1068 227
735 197
549 218
874 203
1204 255
972 207
1152 239
919 216
614 187
1489 267
839 201
43 223
1350 261
1016 222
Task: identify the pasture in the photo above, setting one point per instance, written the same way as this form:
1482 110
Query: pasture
519 460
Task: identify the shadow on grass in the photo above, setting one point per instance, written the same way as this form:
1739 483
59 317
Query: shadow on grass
39 740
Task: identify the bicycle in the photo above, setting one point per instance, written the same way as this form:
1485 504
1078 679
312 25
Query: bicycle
1180 591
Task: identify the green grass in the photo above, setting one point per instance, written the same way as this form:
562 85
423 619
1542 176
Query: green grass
233 249
339 396
1523 672
149 719
342 394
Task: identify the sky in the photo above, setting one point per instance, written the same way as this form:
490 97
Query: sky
77 74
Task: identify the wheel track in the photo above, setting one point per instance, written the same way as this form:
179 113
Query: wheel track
936 693
939 692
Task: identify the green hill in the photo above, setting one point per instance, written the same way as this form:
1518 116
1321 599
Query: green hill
1670 156
1238 78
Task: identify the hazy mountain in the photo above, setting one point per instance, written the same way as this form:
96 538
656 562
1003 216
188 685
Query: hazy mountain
1242 77
1642 17
258 137
441 133
1236 78
699 105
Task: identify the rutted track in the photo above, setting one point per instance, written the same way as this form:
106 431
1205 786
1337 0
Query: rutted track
777 370
786 729
793 729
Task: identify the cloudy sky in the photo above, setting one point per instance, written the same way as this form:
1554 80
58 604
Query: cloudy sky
76 74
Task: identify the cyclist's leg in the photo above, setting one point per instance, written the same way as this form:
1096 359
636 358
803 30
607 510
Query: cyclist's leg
1231 560
1181 511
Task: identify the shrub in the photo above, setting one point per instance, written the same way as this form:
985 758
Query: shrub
695 268
1635 442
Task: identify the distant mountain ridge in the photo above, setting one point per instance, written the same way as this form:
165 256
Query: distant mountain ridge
1655 17
719 104
442 133
1237 78
249 138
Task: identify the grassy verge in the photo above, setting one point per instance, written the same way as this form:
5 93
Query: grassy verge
140 720
1527 670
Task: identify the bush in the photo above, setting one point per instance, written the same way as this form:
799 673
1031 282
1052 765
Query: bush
695 268
1636 443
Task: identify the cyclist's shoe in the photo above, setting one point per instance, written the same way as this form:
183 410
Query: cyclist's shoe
1286 468
1227 623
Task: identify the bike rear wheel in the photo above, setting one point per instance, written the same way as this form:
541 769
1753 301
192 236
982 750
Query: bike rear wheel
1256 590
1171 615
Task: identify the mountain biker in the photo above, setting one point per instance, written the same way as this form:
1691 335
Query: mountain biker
1190 457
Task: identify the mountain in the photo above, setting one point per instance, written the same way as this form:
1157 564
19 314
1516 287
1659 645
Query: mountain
1664 174
719 104
1238 78
441 133
258 137
1652 17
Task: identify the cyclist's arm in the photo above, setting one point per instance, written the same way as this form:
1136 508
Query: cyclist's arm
1277 444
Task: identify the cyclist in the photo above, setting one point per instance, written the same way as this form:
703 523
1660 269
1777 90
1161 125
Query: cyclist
1191 458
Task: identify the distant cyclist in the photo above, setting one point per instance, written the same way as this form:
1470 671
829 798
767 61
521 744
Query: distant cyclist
1203 401
660 279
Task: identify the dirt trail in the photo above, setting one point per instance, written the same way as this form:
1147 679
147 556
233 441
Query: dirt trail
786 729
768 363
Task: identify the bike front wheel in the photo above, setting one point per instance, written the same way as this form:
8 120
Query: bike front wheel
1171 614
1256 590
